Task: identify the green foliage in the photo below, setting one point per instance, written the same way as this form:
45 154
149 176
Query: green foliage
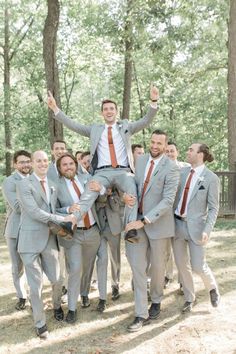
179 45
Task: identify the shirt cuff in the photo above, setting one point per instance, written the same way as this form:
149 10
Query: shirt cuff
102 191
154 105
147 220
56 112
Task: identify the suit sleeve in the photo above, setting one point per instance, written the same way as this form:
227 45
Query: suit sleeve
30 206
72 125
144 122
213 204
169 193
9 193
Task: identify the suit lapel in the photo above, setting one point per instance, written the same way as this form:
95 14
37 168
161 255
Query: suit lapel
197 185
157 169
35 182
99 131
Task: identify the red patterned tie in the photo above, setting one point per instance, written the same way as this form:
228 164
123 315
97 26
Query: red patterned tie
86 216
140 208
186 190
112 148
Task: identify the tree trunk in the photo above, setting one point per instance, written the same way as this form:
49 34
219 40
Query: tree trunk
232 86
6 84
50 63
128 61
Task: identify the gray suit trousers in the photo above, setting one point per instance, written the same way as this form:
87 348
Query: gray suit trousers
102 261
90 243
122 178
136 254
35 264
17 267
193 261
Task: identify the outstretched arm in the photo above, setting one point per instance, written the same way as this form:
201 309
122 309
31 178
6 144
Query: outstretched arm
68 122
142 123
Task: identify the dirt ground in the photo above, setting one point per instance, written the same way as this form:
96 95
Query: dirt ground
205 330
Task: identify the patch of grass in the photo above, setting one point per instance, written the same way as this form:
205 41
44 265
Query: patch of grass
225 224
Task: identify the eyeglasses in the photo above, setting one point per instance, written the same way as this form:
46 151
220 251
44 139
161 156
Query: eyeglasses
24 162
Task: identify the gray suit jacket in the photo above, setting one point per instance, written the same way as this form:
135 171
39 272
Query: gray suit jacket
64 200
52 173
12 204
108 207
35 213
159 196
94 132
203 205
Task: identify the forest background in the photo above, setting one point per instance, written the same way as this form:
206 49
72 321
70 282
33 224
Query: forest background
85 51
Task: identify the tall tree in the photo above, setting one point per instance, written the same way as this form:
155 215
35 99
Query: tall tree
128 33
50 63
10 49
232 85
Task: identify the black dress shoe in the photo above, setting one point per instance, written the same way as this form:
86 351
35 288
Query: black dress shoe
85 301
187 307
42 332
138 323
154 311
132 236
101 305
71 316
115 293
20 305
215 297
59 314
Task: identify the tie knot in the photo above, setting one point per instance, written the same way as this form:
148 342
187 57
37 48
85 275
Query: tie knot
192 171
152 162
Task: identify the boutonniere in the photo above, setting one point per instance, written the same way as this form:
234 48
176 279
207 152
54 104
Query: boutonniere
52 189
200 179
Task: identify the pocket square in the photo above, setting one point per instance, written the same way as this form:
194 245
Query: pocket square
201 188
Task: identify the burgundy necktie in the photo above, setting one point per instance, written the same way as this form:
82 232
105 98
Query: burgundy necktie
112 148
140 208
42 181
86 216
186 190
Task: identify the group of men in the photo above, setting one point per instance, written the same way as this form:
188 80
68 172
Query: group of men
164 204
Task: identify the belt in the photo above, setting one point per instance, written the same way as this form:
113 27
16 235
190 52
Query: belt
86 228
180 217
110 166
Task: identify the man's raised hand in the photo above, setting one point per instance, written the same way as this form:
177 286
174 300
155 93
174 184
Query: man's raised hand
52 102
154 93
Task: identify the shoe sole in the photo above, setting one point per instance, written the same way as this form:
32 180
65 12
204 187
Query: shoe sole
138 329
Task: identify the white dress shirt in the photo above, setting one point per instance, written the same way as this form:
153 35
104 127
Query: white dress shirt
76 199
103 151
198 171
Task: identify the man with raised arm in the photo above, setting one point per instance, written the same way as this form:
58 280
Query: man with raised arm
111 154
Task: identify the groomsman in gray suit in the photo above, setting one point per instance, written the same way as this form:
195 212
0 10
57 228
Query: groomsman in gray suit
58 148
196 209
37 247
82 249
157 179
108 210
22 165
111 155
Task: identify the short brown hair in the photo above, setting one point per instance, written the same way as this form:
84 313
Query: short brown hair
67 154
21 153
161 132
108 101
57 141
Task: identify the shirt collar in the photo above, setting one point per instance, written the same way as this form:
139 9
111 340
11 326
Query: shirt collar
40 179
